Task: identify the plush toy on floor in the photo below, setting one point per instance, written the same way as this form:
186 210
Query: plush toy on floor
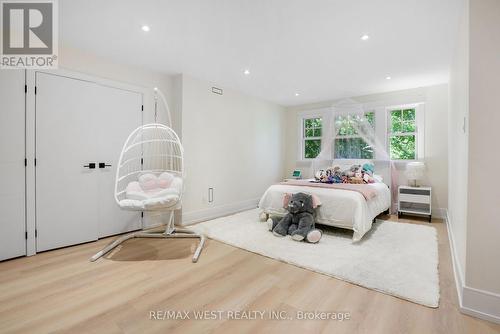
299 221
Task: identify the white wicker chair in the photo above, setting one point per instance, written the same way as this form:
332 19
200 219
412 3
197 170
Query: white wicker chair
151 149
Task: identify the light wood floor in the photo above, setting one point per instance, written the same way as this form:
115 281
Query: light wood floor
61 291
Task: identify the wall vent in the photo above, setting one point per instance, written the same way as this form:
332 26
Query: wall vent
217 90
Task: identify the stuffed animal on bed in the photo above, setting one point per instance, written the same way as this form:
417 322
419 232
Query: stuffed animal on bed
329 175
368 168
367 171
321 176
299 221
356 174
337 174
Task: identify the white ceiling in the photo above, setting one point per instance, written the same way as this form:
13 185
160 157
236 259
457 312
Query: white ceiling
312 47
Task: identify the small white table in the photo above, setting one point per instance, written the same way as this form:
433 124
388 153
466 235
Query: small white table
415 201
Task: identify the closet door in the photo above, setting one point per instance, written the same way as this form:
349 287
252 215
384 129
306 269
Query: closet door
12 154
66 191
80 122
119 114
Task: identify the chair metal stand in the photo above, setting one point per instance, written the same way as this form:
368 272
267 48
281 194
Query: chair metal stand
170 232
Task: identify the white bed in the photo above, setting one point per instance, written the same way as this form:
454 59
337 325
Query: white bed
341 208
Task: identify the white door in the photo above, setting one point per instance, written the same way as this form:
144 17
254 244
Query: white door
12 170
119 114
79 123
66 191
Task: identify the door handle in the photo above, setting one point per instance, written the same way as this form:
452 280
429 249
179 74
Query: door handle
103 165
91 165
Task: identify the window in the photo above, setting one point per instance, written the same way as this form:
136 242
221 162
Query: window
311 137
382 131
402 134
348 143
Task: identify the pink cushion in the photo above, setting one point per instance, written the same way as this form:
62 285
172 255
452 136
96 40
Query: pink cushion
148 182
165 180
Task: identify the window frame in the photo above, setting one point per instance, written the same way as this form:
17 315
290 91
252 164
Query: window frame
382 129
305 138
418 133
309 114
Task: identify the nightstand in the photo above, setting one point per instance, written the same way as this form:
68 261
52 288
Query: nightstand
415 201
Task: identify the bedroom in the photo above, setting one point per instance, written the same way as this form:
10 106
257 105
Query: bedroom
149 157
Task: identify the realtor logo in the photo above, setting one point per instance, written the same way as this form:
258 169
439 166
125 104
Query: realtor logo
29 34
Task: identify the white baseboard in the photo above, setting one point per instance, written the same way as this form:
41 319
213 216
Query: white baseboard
457 268
193 217
481 304
439 213
474 302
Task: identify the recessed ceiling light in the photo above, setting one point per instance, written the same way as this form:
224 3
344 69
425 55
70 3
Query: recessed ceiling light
145 28
365 37
246 72
297 94
388 78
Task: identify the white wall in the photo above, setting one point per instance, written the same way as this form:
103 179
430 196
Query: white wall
458 138
474 116
483 216
436 143
233 143
84 62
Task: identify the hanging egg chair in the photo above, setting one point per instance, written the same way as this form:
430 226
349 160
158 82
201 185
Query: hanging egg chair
149 178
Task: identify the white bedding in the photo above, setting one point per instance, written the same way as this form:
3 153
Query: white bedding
339 207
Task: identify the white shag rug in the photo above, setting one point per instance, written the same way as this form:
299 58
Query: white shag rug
394 258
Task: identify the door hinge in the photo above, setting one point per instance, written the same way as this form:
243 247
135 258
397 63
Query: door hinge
35 90
26 235
36 233
142 214
35 162
25 89
142 161
142 107
25 162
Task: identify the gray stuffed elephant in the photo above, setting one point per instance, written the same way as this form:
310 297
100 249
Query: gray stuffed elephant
299 221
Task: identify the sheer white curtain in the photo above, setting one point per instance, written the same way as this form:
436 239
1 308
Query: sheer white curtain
350 134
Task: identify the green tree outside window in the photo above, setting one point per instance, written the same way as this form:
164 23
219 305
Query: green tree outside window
402 139
348 144
312 137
